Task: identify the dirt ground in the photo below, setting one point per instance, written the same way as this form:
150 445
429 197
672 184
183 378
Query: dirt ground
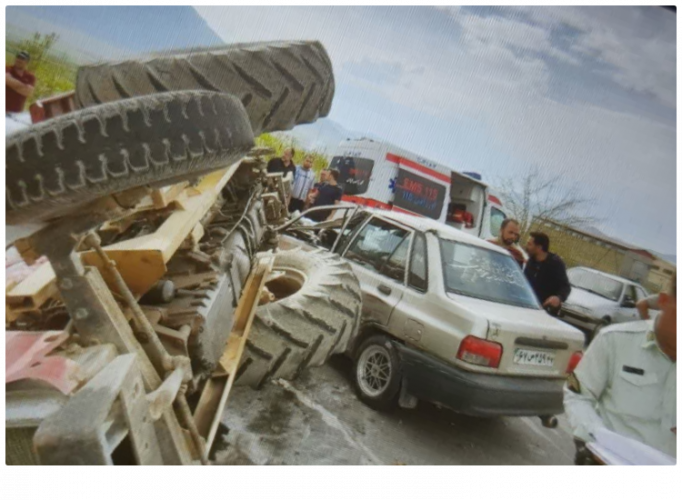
317 420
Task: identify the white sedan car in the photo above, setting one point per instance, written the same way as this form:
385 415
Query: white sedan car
598 299
447 317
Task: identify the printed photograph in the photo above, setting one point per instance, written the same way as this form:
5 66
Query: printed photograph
349 235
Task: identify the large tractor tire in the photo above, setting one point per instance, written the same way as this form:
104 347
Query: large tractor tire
316 314
61 164
281 84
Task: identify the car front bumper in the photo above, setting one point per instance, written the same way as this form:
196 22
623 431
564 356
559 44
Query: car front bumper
476 394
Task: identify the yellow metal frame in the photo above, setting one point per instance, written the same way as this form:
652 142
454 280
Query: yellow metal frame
141 261
217 389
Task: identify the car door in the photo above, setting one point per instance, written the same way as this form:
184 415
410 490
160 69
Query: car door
378 254
627 310
408 321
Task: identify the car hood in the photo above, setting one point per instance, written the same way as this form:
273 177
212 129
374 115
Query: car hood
587 301
519 320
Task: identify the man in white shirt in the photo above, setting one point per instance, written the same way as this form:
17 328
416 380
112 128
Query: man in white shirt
626 382
304 178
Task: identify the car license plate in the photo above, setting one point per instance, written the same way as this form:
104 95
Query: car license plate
533 358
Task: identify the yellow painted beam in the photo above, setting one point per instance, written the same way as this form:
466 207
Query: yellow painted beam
141 261
33 291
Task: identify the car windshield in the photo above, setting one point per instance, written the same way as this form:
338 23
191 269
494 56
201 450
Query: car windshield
596 283
485 274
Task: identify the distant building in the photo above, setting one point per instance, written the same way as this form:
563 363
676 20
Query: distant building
591 248
660 274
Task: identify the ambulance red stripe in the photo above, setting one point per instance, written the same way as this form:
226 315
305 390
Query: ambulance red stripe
416 166
494 199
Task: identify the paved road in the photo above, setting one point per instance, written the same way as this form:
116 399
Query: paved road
318 420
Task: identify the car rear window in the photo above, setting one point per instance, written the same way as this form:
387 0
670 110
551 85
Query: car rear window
484 274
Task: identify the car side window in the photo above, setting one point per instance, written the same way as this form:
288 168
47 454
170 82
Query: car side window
418 277
396 265
375 244
351 229
629 294
496 218
641 294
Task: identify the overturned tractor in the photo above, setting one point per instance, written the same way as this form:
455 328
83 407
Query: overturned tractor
152 282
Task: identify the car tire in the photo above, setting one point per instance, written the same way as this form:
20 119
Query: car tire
62 164
377 373
302 329
281 84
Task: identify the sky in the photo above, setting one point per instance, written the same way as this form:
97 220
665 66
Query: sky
92 33
585 94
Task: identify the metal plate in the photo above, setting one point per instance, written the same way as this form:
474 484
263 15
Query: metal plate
529 357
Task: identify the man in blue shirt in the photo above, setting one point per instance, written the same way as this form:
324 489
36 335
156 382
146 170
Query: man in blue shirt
304 178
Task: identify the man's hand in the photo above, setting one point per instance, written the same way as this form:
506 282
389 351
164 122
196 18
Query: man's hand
643 309
552 301
22 88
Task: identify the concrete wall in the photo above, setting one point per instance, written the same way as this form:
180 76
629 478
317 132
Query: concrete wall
635 267
580 250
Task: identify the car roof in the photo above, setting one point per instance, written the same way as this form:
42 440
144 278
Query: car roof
607 275
425 224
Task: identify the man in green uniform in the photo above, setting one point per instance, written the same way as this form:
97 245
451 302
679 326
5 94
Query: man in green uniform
626 382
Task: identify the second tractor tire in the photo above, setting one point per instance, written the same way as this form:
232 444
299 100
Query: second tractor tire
281 84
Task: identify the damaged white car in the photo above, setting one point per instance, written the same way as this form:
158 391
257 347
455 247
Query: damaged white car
447 317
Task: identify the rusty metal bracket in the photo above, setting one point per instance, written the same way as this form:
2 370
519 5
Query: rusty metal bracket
97 419
58 242
180 364
150 336
98 317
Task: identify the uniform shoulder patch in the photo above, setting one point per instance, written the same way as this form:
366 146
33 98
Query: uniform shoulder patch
573 383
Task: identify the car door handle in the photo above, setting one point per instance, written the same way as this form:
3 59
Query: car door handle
384 289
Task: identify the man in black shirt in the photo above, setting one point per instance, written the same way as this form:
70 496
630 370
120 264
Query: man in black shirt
329 193
284 165
546 273
324 177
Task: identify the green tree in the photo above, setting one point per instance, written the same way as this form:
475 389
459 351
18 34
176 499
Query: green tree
38 48
279 144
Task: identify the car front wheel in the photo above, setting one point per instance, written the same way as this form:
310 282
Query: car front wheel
377 373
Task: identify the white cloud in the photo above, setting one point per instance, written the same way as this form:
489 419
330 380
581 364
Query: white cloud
640 43
502 31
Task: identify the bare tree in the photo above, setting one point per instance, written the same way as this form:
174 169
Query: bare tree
534 195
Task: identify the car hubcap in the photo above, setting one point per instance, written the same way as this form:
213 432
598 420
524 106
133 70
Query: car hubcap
374 370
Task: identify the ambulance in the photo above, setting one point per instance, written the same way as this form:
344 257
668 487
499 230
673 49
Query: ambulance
380 175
